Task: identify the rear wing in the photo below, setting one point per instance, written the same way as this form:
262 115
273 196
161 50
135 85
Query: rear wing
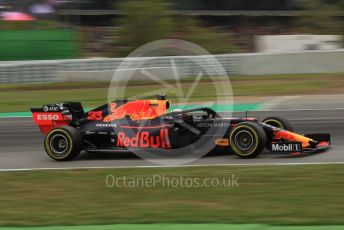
47 121
49 117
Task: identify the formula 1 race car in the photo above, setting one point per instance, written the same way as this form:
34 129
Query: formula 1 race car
148 125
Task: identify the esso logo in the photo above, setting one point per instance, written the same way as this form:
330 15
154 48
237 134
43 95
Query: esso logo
48 117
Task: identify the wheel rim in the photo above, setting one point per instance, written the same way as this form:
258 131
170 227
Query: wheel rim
243 140
59 144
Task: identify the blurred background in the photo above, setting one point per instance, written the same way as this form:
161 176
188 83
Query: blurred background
64 41
113 28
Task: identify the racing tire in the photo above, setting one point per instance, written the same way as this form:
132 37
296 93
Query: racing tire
279 122
247 140
63 143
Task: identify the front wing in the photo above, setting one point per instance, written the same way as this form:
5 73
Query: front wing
298 145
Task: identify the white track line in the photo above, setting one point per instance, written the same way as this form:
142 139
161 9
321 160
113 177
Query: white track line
177 166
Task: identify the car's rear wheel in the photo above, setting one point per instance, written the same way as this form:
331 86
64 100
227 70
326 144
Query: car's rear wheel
63 143
247 140
279 122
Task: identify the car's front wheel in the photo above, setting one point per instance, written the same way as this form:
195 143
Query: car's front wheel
63 143
279 122
247 139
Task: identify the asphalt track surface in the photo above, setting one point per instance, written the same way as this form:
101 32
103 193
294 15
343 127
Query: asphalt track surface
21 145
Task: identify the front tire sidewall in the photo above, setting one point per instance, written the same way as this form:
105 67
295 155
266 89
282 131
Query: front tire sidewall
258 140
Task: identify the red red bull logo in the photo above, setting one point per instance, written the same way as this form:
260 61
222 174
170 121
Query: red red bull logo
137 110
285 135
289 136
145 140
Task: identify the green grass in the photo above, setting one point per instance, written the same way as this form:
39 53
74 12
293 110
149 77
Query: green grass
274 195
20 97
203 226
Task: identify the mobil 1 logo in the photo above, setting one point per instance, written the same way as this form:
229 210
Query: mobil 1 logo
286 147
